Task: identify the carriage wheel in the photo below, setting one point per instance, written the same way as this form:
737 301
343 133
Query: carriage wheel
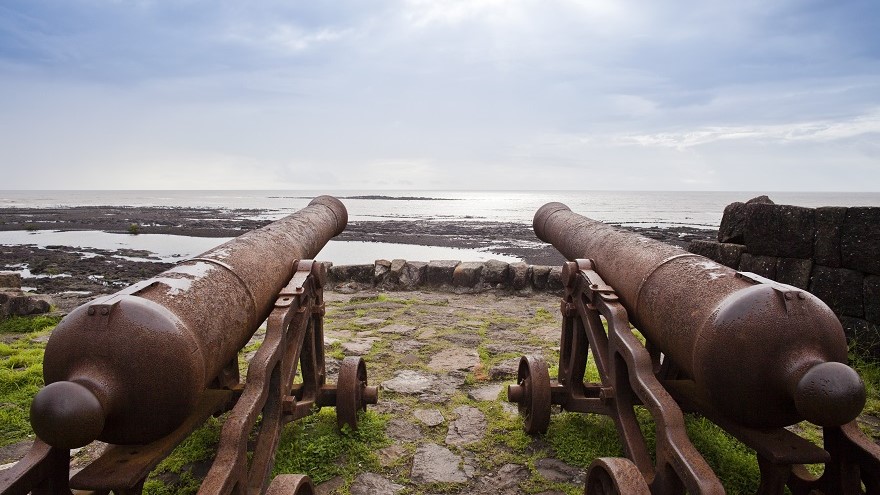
350 391
532 392
291 484
615 476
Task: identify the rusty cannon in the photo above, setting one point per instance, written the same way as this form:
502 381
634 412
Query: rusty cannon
750 354
144 367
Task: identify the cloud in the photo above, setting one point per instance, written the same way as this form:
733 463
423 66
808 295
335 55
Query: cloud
442 93
867 126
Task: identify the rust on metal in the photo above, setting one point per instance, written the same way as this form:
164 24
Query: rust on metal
748 353
143 368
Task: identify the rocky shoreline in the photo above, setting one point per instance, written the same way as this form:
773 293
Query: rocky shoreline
73 275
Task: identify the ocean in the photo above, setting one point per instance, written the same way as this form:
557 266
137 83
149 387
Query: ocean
631 208
637 208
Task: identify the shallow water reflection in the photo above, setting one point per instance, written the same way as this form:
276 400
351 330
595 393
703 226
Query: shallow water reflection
172 248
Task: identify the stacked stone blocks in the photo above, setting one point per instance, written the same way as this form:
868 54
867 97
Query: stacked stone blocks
459 276
833 252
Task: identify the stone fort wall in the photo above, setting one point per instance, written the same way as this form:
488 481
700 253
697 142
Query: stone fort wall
832 252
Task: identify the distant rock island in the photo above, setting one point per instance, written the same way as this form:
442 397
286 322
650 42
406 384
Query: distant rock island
399 198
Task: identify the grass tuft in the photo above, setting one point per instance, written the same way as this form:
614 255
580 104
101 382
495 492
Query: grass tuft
314 446
28 324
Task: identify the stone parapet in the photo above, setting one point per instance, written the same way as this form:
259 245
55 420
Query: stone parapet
452 275
830 251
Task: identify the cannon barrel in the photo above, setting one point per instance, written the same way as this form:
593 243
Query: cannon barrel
128 368
764 354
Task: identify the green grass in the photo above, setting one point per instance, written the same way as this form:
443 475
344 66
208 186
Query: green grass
870 373
578 439
21 374
314 446
28 324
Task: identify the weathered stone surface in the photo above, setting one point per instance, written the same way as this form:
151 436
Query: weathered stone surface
505 482
826 247
410 359
794 271
398 329
554 280
487 392
540 274
495 272
504 370
468 339
733 220
864 336
331 365
331 486
11 453
518 276
369 321
447 384
413 275
10 280
409 382
373 484
872 298
456 358
390 455
550 333
840 288
435 464
723 253
381 272
730 254
764 266
504 346
405 346
708 249
439 272
469 427
402 430
351 273
359 346
16 303
397 268
467 274
732 223
779 230
430 417
860 240
558 471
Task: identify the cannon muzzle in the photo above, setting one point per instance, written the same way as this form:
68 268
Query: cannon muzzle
764 353
128 368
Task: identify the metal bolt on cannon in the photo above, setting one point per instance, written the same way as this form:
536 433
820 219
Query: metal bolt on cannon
750 354
143 368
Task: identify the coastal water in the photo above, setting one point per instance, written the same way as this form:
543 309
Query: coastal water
640 208
635 208
172 248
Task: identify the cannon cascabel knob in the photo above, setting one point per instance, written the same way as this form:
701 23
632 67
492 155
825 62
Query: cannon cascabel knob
829 394
67 415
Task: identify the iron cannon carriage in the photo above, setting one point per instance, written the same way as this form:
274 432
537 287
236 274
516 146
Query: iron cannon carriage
143 368
752 355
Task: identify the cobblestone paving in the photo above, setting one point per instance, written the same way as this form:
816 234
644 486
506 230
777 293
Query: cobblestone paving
443 361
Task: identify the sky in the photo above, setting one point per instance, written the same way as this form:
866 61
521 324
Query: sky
739 95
